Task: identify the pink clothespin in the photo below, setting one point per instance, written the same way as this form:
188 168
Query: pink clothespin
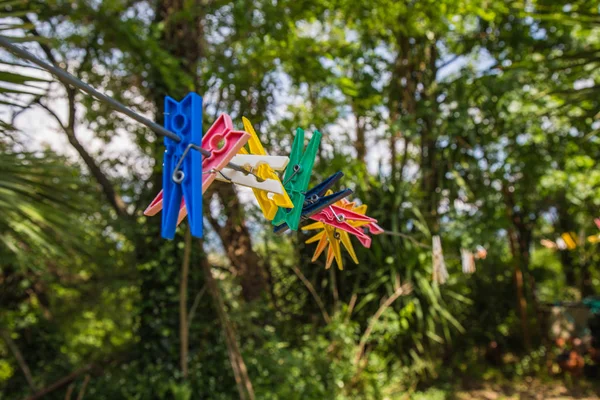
597 221
156 205
375 229
223 143
372 226
338 217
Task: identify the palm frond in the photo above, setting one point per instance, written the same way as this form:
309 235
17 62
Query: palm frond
41 202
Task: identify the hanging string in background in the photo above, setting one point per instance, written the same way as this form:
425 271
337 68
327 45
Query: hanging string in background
405 236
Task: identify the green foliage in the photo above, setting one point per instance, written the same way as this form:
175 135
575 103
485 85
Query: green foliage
500 151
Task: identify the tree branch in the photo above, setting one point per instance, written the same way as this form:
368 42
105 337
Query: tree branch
86 380
111 195
19 357
314 293
52 114
109 191
400 291
60 383
192 311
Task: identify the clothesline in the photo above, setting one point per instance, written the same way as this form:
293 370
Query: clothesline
335 215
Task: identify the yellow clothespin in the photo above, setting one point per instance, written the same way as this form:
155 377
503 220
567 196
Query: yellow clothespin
268 204
569 240
329 235
334 250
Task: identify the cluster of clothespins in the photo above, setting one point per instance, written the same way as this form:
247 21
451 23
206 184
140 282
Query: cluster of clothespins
569 240
195 161
440 272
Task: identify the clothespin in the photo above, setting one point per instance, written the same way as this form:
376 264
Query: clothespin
569 240
440 273
333 251
467 261
264 167
252 163
297 177
220 141
597 222
481 253
315 200
182 169
332 235
549 244
372 226
338 217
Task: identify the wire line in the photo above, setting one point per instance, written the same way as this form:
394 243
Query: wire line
68 78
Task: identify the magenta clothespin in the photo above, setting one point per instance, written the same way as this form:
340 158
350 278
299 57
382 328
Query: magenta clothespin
223 143
337 216
375 229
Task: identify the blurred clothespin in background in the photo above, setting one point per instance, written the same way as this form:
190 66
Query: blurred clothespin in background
467 261
480 253
549 244
570 240
440 273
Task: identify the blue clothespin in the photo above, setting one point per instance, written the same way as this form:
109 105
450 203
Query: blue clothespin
183 118
315 200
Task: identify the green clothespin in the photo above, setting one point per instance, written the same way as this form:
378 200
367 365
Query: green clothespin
296 178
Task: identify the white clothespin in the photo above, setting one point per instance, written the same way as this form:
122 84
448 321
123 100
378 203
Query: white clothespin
440 273
250 161
560 243
468 261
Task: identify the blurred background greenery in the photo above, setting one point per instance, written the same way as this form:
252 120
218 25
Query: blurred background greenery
474 120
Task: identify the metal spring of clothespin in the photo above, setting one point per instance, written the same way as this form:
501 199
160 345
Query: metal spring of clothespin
178 174
297 168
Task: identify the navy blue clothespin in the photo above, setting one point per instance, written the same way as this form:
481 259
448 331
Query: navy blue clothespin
182 169
315 200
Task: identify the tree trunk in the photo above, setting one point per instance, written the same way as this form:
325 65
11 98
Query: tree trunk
587 286
565 224
413 89
238 245
359 144
519 237
521 301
